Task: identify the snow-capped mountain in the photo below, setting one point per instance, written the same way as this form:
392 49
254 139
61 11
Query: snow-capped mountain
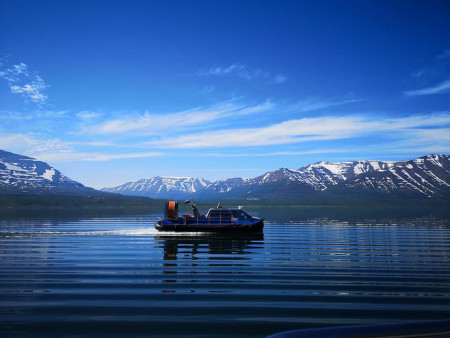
21 173
424 177
226 185
162 187
427 176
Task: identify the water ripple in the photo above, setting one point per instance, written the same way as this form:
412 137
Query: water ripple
119 277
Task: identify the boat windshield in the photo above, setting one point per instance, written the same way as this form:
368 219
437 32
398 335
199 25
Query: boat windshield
240 214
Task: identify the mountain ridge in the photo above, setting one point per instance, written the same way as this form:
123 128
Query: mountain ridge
162 187
424 177
26 182
23 173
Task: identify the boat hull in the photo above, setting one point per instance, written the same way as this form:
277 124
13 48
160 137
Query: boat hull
253 227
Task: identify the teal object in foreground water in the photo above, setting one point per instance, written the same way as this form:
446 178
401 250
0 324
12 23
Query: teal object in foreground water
218 219
434 328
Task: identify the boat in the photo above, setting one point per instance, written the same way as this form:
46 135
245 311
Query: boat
219 219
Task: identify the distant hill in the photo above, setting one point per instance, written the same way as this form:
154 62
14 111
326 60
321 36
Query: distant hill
27 182
25 174
162 187
426 177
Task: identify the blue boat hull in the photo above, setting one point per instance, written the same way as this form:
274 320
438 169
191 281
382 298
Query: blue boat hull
177 226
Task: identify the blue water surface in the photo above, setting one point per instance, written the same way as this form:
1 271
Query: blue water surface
117 276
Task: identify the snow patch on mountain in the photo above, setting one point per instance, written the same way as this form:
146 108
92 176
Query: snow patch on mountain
49 174
12 167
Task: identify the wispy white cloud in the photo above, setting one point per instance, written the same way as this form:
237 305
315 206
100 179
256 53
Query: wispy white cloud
28 143
25 82
56 150
236 68
15 72
97 144
312 104
307 129
444 55
33 90
250 109
34 115
436 71
156 124
207 89
419 73
14 116
302 130
88 115
151 124
280 78
440 88
91 157
435 149
277 153
431 73
422 140
434 136
243 71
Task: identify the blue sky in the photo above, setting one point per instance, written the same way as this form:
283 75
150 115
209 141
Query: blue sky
114 91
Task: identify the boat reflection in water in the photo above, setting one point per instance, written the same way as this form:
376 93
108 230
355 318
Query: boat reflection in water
190 247
213 258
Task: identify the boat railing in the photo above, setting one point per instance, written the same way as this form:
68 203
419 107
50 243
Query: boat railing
216 218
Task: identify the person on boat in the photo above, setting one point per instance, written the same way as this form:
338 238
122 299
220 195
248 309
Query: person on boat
195 211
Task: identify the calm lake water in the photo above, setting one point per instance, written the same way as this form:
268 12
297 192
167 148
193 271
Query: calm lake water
117 276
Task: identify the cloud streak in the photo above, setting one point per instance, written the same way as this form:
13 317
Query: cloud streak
92 157
444 55
302 130
26 83
30 145
244 72
151 124
313 104
440 88
56 150
88 115
278 153
202 117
